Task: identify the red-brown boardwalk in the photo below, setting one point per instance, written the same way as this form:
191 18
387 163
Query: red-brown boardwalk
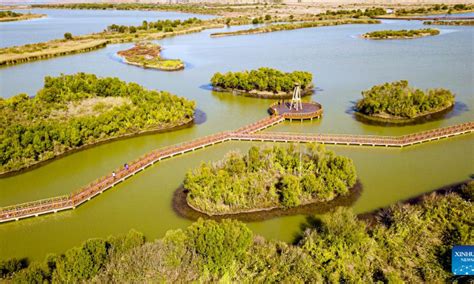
71 201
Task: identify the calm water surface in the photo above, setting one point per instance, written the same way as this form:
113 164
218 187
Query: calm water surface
342 64
78 22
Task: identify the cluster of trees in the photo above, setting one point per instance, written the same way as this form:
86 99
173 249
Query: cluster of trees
406 243
9 14
75 265
262 79
269 177
160 25
435 8
261 20
31 129
401 33
398 99
369 12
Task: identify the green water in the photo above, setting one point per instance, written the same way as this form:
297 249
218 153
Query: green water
342 65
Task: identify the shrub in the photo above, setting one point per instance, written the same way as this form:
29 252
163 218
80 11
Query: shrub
68 36
221 244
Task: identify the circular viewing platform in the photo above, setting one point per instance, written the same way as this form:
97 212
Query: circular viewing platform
310 110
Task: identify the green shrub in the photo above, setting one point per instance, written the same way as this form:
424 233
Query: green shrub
81 263
8 267
68 36
220 244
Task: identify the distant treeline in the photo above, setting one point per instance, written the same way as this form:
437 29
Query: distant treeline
435 8
398 99
187 8
75 110
369 12
160 25
406 243
262 79
269 177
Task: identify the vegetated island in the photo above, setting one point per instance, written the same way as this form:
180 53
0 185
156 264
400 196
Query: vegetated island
397 102
72 112
400 34
269 178
147 55
450 23
295 26
10 16
263 83
332 248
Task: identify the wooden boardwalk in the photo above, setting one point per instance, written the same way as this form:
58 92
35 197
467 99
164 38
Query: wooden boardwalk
71 201
360 140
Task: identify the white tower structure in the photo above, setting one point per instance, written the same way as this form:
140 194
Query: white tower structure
296 100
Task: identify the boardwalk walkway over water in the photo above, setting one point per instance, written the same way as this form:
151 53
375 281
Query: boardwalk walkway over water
71 201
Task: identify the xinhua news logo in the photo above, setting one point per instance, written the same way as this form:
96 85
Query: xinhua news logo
462 261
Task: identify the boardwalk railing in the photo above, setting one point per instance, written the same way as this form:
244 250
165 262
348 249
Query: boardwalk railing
71 201
360 140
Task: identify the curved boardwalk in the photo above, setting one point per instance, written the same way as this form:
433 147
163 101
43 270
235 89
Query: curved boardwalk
71 201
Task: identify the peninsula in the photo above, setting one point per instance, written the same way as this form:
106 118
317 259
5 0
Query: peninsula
10 16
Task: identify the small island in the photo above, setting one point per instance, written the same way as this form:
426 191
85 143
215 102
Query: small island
72 112
263 83
269 178
397 102
10 16
400 34
147 55
450 23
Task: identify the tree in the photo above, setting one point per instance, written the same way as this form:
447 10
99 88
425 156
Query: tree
290 191
81 263
220 244
68 36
